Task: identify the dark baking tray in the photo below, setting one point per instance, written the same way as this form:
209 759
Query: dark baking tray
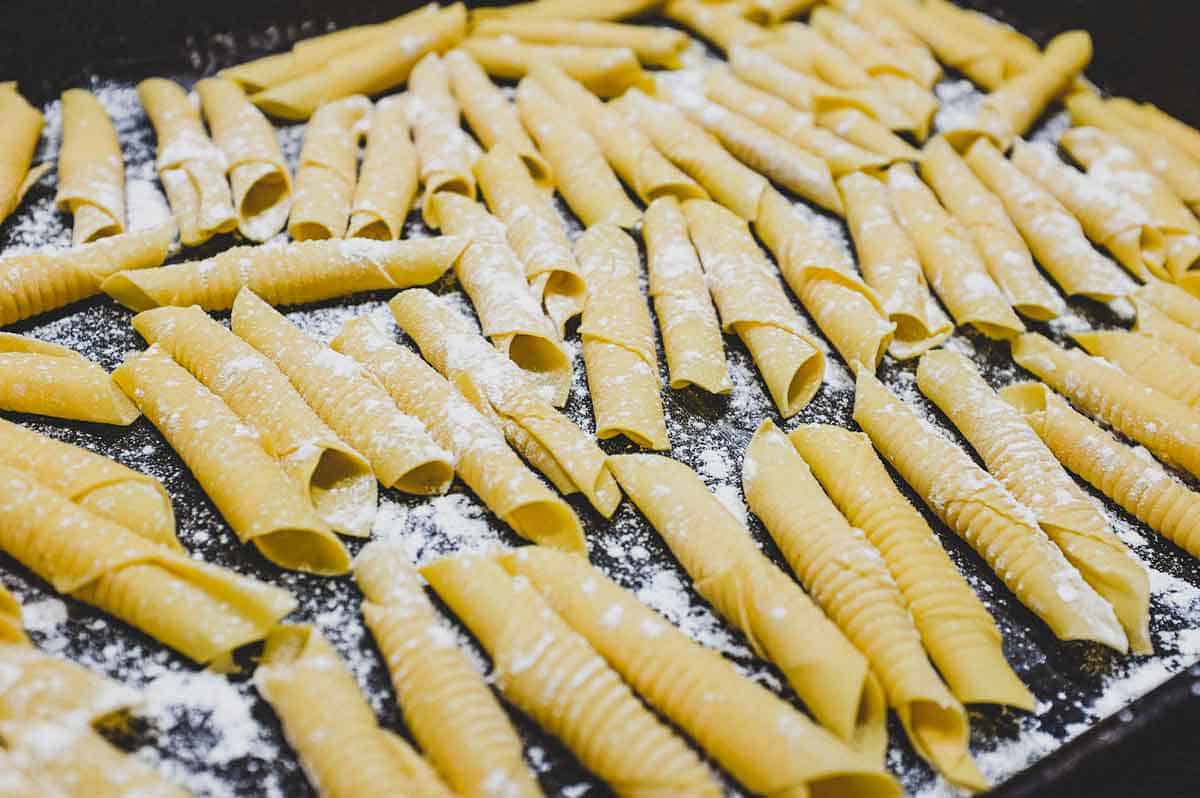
1145 50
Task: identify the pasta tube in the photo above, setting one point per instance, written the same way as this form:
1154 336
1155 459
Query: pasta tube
287 274
551 674
687 321
336 479
567 9
509 313
51 380
328 170
1167 427
345 753
581 173
482 458
653 46
446 703
776 11
535 232
949 258
953 46
1148 116
348 399
752 304
91 172
908 51
11 631
1013 454
820 273
258 174
1147 359
445 151
1176 304
104 487
1136 482
606 71
1158 325
720 23
986 516
18 143
1008 259
387 182
506 394
752 593
733 718
850 582
200 610
866 132
190 166
618 341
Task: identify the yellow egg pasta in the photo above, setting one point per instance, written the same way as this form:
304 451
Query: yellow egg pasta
51 380
606 71
328 170
387 182
776 11
653 46
863 131
1148 116
954 47
91 171
11 630
18 143
1150 360
1178 305
567 9
445 151
1153 322
720 23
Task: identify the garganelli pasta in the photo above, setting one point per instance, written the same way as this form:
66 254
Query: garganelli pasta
986 516
907 50
606 71
567 9
1175 303
387 182
953 46
284 274
778 619
776 11
18 143
618 341
1017 52
1148 359
862 130
445 151
482 458
653 46
52 380
190 166
91 171
752 304
348 399
874 49
731 717
850 582
1152 321
1147 115
328 170
550 673
720 23
1015 456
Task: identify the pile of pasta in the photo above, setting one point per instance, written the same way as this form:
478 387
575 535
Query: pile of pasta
724 169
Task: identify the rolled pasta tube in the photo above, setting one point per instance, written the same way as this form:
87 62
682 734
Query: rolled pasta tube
491 116
751 303
249 487
369 67
907 70
482 458
628 150
780 621
953 46
1120 227
722 24
653 46
821 274
503 392
190 166
985 515
1015 455
606 71
445 151
959 634
258 174
11 631
850 581
328 170
91 172
1151 117
18 143
687 321
345 753
907 49
1153 322
1175 303
387 182
1005 253
1167 427
567 9
446 703
775 11
1150 360
581 173
336 479
509 313
51 380
724 177
288 274
348 399
733 718
200 610
618 341
949 259
1136 482
863 131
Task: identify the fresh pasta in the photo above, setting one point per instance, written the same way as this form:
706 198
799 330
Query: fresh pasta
723 24
51 380
606 71
18 143
1150 360
907 51
653 46
1175 303
328 170
1147 115
953 46
387 182
567 9
1154 322
444 150
866 132
91 172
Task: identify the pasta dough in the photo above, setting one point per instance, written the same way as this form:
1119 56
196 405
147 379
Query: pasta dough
551 674
1155 323
848 579
348 399
953 46
691 334
654 46
482 458
505 393
720 23
387 182
1027 469
987 517
18 143
51 380
190 166
752 304
733 718
11 631
336 479
91 172
606 71
286 274
907 50
328 170
618 341
446 152
1150 360
567 9
857 128
1147 115
1176 304
750 592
